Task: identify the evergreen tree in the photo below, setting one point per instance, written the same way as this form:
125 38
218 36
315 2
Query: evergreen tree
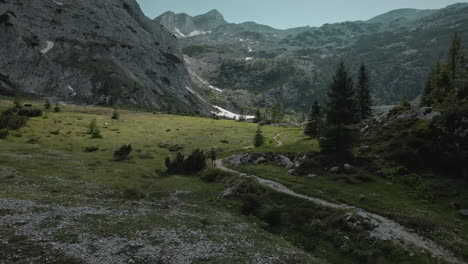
258 116
259 139
341 99
364 100
277 112
313 125
426 96
455 60
340 134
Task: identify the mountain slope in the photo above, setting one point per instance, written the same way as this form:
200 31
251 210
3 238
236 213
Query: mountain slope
104 52
399 48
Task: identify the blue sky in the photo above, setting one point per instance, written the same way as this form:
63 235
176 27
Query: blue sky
289 13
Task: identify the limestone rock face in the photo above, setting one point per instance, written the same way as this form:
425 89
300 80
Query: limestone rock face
93 51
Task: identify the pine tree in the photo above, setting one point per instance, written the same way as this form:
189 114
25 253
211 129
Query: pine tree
340 134
277 112
455 59
94 130
364 100
259 139
313 125
258 116
426 96
341 99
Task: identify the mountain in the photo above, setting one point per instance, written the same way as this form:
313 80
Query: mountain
261 64
183 25
93 51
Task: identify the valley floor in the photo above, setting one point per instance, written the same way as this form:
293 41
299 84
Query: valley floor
60 204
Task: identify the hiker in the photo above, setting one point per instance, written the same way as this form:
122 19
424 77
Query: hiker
213 156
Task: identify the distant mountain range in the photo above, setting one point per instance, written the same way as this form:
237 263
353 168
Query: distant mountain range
256 64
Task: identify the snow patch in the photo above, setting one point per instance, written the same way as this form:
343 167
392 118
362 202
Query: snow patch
250 49
194 93
180 33
241 40
215 88
248 58
227 114
50 45
198 32
58 3
73 93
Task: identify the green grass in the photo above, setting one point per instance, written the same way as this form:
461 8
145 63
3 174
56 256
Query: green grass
55 170
397 201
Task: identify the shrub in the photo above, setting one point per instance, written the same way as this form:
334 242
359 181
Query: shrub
123 152
94 130
214 175
57 108
4 133
11 120
47 104
30 112
91 149
194 163
250 204
115 115
273 217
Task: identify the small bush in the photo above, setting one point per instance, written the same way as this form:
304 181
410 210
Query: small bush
94 130
123 153
273 217
47 104
57 108
214 175
30 112
133 194
115 115
250 204
91 149
11 120
194 163
4 133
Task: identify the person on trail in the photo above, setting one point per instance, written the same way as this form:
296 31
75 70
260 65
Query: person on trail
213 156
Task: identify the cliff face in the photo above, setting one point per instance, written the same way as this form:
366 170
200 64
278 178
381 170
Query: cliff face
96 51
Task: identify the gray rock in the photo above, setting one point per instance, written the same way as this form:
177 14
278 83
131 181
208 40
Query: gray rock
284 161
260 160
98 51
348 168
335 169
464 212
312 176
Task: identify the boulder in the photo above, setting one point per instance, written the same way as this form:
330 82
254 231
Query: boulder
284 161
260 160
312 176
464 212
335 169
348 168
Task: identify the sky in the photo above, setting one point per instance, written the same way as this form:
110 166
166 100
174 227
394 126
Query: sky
289 13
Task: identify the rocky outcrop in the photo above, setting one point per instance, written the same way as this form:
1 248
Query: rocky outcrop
93 51
183 25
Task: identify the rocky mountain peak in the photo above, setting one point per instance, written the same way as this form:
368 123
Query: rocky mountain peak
213 14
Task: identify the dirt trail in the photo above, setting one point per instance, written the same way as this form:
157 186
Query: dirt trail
385 228
276 138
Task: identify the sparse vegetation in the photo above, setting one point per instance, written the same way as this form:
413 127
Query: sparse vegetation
94 130
123 152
